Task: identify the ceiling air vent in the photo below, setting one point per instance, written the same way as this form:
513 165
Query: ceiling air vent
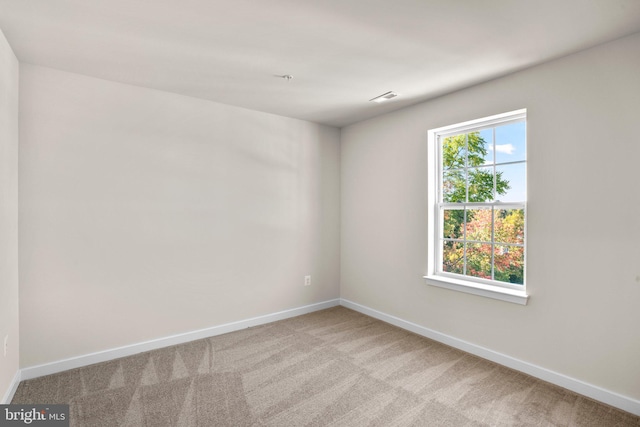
384 97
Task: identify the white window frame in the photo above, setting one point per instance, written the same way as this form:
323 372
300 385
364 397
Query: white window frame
435 276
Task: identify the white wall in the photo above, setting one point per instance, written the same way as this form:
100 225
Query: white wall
145 214
583 255
8 215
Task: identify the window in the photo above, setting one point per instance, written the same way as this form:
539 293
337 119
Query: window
478 198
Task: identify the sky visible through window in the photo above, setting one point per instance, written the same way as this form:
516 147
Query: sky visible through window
510 146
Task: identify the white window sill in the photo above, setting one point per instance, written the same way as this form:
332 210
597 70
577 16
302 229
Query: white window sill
495 292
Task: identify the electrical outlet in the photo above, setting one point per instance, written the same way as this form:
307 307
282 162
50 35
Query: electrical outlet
307 280
6 344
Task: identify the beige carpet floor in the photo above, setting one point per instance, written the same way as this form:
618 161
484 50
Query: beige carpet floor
334 367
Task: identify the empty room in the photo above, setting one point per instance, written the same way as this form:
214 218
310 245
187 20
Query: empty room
340 213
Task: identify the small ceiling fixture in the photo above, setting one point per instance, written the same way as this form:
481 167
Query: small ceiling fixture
287 77
384 97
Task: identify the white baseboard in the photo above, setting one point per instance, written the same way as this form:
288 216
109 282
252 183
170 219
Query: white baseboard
8 396
611 398
106 355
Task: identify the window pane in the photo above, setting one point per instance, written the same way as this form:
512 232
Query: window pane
478 224
510 142
453 152
510 183
509 226
477 149
453 223
487 137
479 260
453 257
453 186
509 264
480 181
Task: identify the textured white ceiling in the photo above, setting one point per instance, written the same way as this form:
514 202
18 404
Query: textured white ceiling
341 52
